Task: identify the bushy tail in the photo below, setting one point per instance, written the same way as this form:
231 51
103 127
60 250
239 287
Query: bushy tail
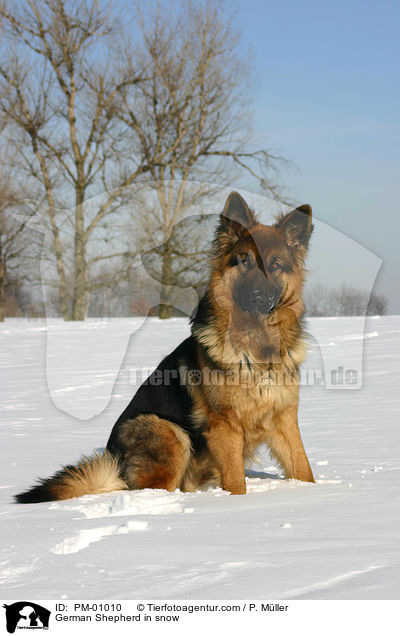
94 474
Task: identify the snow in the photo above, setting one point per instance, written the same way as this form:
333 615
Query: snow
61 391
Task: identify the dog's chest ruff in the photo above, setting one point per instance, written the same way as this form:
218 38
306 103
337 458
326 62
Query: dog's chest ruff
261 394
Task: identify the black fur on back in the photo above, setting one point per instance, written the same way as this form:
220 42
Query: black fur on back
168 400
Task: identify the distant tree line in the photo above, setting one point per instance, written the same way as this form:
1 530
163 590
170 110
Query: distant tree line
139 297
344 300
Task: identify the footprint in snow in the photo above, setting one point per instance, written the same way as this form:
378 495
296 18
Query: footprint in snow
84 538
138 502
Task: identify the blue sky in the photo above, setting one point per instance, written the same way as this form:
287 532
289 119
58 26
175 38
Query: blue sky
327 97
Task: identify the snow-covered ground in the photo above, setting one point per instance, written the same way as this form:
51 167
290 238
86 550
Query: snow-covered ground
336 539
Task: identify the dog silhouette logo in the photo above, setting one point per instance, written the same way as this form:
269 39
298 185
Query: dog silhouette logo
26 615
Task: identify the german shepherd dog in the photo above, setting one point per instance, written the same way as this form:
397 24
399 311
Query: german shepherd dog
231 386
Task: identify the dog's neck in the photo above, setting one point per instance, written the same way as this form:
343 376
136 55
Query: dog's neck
248 342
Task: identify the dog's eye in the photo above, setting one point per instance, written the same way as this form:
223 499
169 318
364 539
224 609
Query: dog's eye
275 266
244 259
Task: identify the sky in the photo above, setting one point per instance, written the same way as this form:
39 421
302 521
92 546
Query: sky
327 97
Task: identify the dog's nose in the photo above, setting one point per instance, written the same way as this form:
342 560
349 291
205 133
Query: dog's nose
257 299
262 302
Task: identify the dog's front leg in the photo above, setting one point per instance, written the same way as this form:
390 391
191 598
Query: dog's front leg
286 445
225 442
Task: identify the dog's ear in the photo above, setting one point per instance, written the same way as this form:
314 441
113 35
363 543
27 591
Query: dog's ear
236 216
297 226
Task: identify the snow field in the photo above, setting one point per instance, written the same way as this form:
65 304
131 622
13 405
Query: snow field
336 539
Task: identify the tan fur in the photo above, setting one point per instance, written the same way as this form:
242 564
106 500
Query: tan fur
200 471
225 441
158 453
267 351
286 445
92 475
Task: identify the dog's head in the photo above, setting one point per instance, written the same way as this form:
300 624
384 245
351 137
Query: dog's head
258 268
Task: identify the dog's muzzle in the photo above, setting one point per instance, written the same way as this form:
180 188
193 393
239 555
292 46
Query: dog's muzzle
263 302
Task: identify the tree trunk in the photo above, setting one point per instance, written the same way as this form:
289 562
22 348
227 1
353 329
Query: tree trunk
79 298
2 288
165 310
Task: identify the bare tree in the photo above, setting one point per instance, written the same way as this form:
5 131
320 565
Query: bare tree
16 248
87 115
57 92
8 238
189 245
190 118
